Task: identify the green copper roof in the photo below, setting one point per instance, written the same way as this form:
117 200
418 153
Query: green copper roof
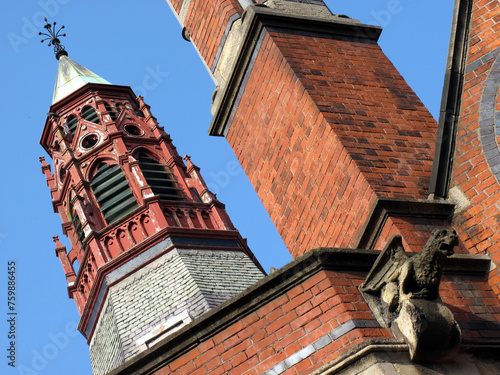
71 76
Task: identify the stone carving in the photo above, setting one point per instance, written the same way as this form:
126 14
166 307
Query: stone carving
403 293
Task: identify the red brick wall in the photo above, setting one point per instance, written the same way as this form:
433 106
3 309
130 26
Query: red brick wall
292 321
475 169
206 22
473 305
283 327
325 125
414 231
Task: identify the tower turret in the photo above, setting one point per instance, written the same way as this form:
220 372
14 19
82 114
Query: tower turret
155 248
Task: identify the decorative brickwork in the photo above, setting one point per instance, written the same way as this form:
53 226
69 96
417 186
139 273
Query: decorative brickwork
320 343
156 249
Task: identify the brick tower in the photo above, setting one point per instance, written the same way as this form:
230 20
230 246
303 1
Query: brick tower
155 248
324 140
341 152
353 171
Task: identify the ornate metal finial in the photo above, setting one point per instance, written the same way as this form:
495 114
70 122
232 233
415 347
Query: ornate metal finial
53 37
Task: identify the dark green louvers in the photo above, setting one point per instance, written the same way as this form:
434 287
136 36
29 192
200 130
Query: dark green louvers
112 192
161 181
111 111
91 115
77 224
72 124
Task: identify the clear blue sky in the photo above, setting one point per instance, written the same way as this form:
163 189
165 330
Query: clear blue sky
126 42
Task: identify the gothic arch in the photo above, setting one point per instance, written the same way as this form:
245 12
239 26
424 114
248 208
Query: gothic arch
94 164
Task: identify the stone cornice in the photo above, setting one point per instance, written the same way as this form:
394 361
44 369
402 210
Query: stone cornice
385 207
256 18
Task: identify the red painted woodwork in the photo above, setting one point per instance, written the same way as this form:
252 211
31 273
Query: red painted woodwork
121 137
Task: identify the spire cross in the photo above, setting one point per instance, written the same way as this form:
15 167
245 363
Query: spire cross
53 37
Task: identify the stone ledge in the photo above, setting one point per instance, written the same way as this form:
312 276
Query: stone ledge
385 207
263 292
392 356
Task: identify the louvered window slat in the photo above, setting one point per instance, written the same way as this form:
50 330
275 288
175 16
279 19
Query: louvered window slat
112 192
77 224
91 115
161 181
105 172
153 165
122 209
112 199
111 111
72 124
112 185
158 180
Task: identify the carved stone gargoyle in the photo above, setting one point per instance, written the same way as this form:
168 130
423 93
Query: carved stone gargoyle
403 293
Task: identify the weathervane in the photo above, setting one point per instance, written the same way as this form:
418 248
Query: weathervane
53 36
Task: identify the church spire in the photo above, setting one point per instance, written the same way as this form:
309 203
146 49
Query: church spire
155 249
70 75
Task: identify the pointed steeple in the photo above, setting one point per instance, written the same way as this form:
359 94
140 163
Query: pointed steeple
71 76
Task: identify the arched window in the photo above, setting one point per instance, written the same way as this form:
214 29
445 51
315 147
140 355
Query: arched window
112 192
71 124
62 173
56 146
77 225
196 195
89 114
159 178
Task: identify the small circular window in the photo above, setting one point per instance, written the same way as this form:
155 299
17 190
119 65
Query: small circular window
133 130
89 141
